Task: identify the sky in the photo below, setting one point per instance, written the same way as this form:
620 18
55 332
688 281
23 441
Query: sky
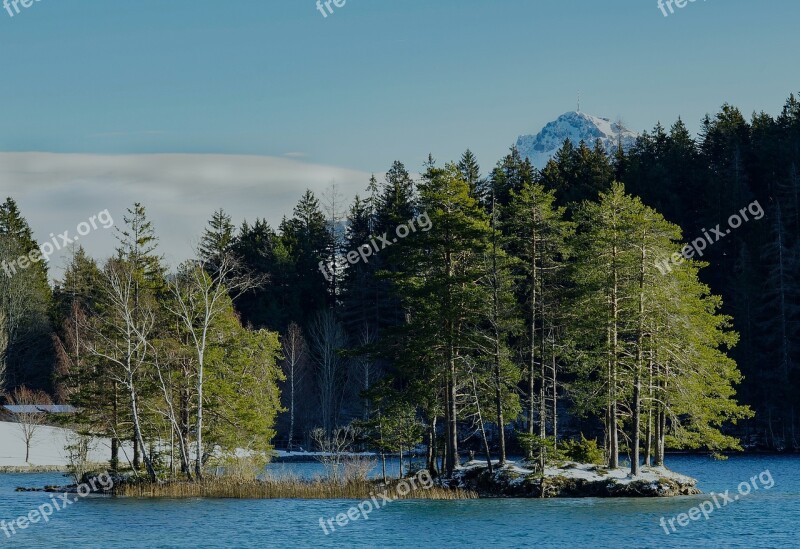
192 105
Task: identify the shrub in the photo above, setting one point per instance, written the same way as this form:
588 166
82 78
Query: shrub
333 448
582 451
240 467
540 451
357 467
76 450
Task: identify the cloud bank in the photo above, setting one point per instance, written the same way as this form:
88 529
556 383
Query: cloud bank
55 192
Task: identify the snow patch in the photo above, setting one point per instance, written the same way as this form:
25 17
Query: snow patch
575 126
47 449
589 472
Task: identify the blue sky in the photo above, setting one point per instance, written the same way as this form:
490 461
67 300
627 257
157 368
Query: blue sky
333 99
378 79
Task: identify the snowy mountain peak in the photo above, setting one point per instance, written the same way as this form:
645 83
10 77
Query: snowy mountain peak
575 126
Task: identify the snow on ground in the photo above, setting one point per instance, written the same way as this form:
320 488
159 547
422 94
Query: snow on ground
47 449
593 473
621 475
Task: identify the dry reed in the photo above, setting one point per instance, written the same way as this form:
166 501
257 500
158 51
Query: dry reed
281 489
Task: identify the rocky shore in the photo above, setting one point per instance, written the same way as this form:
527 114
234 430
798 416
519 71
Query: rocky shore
570 480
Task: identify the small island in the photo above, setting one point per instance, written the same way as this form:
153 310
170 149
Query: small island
571 480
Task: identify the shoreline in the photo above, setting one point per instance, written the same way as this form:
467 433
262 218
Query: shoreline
470 481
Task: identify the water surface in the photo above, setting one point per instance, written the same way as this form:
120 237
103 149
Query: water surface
765 519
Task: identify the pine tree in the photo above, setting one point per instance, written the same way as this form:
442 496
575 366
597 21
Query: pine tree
471 172
262 252
661 351
14 225
396 205
501 323
137 256
307 241
218 237
359 281
439 288
606 274
538 234
577 174
76 295
780 317
138 244
509 176
26 351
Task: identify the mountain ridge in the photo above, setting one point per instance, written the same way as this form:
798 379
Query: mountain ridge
576 126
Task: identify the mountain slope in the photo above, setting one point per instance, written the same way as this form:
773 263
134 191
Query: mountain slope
577 127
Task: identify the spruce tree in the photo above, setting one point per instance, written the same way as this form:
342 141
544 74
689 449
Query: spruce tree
438 288
537 235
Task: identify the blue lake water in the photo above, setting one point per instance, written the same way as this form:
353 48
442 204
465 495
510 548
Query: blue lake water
764 519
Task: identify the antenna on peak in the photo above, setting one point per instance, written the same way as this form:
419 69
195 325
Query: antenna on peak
579 100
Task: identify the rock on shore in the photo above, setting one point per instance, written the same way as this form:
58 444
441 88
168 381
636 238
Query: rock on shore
571 480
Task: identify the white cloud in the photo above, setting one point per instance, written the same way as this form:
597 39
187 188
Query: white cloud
55 192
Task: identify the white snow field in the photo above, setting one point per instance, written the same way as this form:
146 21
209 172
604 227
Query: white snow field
47 449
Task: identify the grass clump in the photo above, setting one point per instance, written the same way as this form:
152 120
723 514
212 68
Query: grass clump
238 488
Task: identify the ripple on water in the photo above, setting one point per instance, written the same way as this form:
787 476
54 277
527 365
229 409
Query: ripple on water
766 519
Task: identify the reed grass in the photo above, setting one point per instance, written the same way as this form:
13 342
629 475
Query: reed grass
42 468
223 488
32 469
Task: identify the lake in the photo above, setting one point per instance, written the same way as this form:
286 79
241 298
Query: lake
766 518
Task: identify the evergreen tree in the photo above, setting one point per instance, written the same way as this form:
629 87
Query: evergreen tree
660 328
262 252
396 205
218 237
500 323
26 351
439 288
471 172
509 176
537 235
780 318
138 258
307 241
577 174
138 244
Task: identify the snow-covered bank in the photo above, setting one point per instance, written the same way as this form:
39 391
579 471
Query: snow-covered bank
572 480
47 449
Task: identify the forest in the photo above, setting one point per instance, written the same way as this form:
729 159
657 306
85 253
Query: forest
527 311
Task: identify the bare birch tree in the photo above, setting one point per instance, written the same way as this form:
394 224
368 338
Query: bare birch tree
333 447
122 338
32 417
200 290
335 215
295 353
3 348
327 340
366 367
166 374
